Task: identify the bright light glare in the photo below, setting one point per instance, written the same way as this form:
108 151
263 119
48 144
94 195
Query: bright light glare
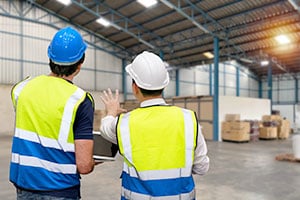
208 54
65 2
264 63
103 21
282 39
147 3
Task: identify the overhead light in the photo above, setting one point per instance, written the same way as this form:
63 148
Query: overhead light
208 54
103 21
147 3
65 2
282 39
246 60
264 63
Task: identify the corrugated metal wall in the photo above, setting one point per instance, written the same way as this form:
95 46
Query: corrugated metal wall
23 52
196 81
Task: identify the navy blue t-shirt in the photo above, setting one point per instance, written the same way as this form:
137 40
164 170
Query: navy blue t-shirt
83 124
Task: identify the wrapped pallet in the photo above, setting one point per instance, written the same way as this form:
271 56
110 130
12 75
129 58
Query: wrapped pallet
254 130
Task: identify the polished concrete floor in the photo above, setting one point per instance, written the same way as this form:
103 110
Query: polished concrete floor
246 171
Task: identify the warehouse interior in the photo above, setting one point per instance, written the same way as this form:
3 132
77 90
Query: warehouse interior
234 62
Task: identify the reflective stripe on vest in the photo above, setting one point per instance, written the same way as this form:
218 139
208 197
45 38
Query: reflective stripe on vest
158 176
17 90
39 162
126 194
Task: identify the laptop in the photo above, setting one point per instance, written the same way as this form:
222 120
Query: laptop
104 150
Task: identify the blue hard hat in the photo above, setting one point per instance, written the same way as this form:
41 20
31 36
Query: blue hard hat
67 47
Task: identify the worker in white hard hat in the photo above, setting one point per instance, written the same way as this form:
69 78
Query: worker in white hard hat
162 145
53 140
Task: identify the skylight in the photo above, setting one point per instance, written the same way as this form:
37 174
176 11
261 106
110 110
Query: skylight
147 3
103 22
65 2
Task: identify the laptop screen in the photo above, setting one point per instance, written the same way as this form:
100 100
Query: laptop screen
104 149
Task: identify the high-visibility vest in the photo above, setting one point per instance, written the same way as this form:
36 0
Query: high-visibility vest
43 155
157 144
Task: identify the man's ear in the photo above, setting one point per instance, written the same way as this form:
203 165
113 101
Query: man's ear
134 88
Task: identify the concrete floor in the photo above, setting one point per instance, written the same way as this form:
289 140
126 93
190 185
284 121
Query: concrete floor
246 171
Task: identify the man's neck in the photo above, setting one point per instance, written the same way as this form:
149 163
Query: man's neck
141 98
68 78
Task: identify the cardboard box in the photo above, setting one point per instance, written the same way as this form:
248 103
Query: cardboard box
207 130
271 118
236 125
268 132
284 129
98 115
130 105
232 117
235 135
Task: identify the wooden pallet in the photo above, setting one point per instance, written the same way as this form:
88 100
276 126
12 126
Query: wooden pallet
236 141
287 157
268 138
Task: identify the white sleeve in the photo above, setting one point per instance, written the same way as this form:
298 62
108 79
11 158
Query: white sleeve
108 128
201 160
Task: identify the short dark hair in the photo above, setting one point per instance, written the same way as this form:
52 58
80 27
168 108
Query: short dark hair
65 70
149 92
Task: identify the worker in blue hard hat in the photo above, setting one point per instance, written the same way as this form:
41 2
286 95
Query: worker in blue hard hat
53 141
162 145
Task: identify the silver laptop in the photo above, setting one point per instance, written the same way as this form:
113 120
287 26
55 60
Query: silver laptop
104 150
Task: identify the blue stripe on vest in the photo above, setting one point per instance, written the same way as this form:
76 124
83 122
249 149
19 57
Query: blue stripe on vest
164 187
29 148
41 179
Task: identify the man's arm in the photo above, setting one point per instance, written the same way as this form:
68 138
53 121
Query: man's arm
83 136
201 161
84 156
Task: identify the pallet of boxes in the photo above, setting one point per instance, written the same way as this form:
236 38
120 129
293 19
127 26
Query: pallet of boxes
235 130
274 127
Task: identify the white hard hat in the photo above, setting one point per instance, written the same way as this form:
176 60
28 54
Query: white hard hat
148 71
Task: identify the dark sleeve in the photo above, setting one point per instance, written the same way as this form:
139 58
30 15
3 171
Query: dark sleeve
83 124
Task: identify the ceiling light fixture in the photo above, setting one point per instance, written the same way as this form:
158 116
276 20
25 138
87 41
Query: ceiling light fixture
282 39
246 60
264 63
65 2
208 55
147 3
103 22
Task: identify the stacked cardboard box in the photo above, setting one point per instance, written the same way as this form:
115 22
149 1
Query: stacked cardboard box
129 105
284 129
273 127
235 130
268 132
98 115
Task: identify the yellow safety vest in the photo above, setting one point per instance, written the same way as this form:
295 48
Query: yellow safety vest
43 155
157 144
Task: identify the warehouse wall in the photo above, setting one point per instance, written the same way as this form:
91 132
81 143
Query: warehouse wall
6 111
24 53
234 80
